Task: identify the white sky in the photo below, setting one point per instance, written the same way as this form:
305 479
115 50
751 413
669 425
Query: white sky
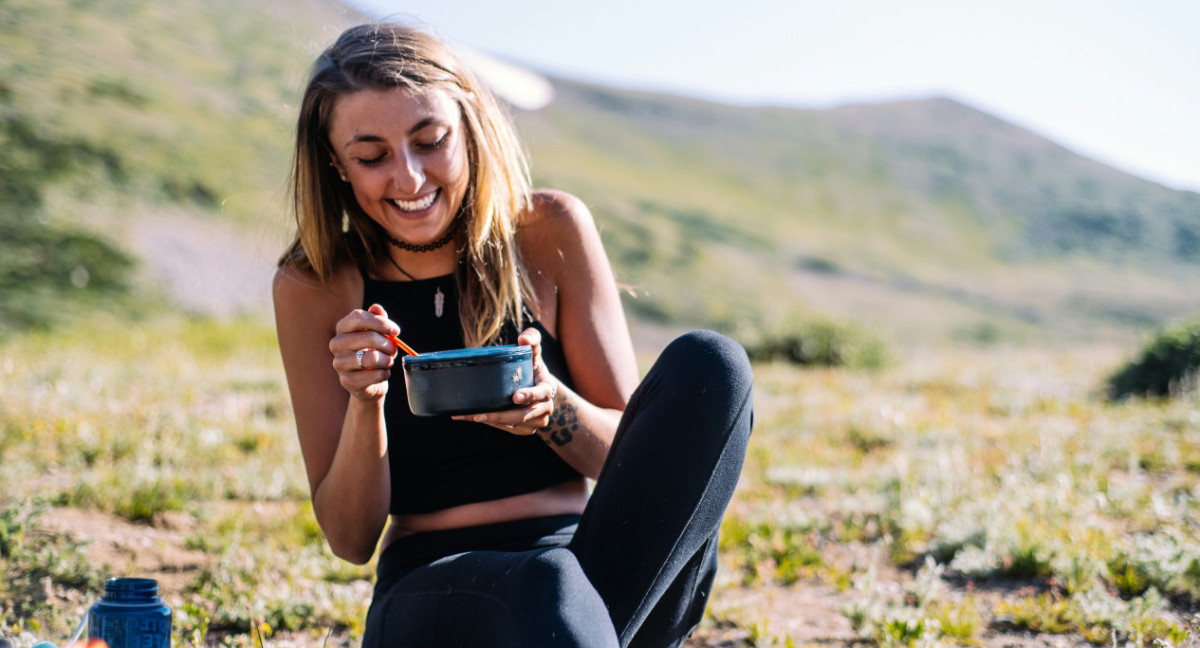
1116 80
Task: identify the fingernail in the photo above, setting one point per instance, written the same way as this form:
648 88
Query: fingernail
520 397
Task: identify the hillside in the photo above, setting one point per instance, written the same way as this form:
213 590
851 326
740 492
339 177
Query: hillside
158 129
919 217
928 220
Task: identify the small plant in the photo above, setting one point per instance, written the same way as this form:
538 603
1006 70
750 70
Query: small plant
1046 612
960 621
904 630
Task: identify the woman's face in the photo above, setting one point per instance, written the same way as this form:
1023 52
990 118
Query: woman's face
405 155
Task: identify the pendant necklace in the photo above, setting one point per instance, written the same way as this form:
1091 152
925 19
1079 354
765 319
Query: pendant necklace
439 298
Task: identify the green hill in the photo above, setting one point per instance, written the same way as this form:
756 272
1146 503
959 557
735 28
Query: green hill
161 132
919 217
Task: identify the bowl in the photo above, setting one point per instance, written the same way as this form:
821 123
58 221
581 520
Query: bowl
467 381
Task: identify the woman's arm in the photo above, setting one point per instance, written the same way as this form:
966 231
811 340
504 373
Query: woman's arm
338 407
577 301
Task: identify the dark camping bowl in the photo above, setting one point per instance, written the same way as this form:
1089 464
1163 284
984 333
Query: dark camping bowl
467 381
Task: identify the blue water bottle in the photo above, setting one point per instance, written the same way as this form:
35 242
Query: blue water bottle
131 615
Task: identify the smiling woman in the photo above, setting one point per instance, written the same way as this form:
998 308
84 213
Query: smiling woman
413 202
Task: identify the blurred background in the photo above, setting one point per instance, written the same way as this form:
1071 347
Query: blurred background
934 174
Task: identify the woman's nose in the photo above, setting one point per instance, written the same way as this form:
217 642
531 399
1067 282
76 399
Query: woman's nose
409 174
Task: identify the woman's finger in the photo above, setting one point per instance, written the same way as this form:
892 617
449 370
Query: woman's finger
353 341
532 337
372 319
364 360
524 421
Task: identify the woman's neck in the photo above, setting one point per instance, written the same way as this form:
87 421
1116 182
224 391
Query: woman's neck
403 265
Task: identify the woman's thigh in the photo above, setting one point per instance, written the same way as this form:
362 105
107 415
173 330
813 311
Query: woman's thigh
491 598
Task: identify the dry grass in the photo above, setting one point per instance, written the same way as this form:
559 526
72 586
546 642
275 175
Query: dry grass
957 497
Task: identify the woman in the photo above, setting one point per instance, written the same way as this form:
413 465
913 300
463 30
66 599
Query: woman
415 217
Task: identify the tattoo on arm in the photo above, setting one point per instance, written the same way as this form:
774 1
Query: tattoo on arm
563 424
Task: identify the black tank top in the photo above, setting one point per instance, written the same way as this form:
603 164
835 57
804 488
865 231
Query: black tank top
437 462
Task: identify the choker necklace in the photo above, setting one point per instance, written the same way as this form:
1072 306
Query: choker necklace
439 298
426 247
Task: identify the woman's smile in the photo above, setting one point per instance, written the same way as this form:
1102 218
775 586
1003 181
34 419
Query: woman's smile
417 205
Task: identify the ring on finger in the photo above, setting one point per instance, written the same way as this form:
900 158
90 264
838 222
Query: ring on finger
510 426
358 356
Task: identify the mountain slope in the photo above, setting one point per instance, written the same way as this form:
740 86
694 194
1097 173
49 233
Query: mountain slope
170 128
923 217
184 102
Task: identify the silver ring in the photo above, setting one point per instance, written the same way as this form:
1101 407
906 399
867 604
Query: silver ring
511 427
358 355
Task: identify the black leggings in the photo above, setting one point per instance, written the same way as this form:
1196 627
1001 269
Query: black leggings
634 570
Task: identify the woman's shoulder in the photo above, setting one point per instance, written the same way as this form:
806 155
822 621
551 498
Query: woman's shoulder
554 221
299 291
552 209
560 241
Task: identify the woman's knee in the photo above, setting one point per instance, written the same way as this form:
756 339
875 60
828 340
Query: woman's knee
710 355
704 374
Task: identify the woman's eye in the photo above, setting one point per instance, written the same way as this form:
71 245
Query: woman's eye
434 145
371 161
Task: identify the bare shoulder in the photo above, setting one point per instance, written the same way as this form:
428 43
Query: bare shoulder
557 226
300 297
558 203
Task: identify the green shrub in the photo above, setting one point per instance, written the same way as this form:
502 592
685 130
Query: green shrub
810 340
1166 366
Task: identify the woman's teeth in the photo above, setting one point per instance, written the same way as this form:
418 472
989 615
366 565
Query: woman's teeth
415 205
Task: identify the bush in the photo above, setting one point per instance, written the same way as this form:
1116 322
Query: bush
817 341
1166 366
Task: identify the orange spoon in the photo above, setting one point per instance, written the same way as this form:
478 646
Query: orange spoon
401 345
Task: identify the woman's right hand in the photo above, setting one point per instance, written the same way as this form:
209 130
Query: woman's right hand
364 374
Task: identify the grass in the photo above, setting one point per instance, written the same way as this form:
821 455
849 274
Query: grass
1002 489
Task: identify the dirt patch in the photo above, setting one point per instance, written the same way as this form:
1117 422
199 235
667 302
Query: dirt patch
156 549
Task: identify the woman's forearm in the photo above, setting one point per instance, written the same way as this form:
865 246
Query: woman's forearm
351 504
580 432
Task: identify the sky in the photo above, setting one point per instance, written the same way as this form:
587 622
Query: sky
1114 80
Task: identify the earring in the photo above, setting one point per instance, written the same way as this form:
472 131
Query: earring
341 173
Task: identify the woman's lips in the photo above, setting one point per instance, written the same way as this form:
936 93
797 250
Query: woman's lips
415 205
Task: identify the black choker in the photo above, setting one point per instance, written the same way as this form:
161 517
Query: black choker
427 247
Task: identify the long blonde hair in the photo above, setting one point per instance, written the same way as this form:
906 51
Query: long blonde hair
332 229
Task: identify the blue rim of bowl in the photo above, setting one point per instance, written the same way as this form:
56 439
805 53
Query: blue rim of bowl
469 357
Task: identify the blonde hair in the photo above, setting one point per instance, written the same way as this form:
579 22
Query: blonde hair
332 229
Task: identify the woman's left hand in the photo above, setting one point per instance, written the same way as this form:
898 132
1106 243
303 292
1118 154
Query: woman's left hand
537 402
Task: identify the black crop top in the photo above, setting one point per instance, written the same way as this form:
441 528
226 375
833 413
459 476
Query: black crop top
437 462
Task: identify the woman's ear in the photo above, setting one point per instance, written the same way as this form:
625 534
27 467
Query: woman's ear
333 162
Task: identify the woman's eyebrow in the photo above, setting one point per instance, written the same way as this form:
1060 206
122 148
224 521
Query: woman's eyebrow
366 137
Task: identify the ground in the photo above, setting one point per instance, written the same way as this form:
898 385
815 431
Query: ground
809 613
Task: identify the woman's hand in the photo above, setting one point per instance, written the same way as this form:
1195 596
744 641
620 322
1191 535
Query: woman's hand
362 353
537 402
